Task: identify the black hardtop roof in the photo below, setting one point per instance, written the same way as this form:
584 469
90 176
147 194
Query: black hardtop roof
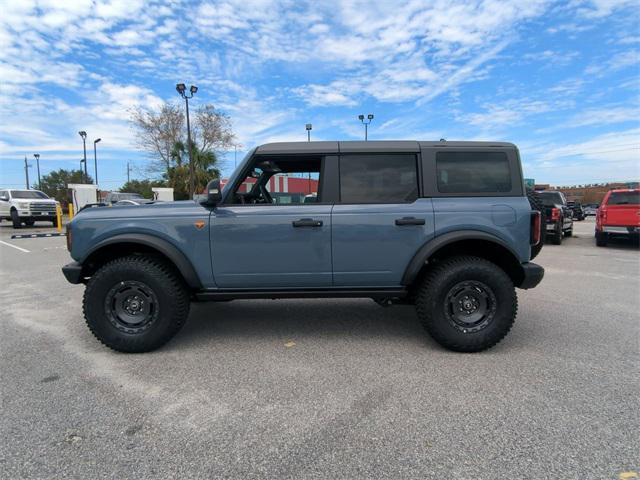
370 146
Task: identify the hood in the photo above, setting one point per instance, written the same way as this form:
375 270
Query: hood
180 207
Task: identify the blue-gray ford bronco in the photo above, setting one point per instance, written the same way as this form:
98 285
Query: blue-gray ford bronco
445 226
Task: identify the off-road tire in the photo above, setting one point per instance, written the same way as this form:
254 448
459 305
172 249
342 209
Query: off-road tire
432 303
15 219
601 239
536 204
166 289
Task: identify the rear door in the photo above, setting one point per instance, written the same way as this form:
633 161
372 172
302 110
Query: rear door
380 221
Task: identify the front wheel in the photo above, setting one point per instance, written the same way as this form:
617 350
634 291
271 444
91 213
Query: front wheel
135 304
467 304
15 219
601 239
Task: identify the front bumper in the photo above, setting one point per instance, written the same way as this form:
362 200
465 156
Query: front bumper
73 272
532 275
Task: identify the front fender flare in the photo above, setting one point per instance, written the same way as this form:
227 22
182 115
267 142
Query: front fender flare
422 255
169 250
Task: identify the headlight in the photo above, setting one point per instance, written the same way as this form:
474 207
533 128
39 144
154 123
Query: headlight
23 205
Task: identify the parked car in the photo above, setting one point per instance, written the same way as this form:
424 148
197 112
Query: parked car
577 210
559 217
590 210
444 226
618 215
27 206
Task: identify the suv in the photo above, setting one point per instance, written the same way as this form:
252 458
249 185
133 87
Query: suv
578 213
444 226
558 214
27 206
619 214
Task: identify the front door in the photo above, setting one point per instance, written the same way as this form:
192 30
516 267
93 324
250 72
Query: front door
380 222
274 232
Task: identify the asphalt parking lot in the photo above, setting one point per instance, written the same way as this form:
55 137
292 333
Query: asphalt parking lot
325 388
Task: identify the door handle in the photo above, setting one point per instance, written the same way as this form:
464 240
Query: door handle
409 221
307 222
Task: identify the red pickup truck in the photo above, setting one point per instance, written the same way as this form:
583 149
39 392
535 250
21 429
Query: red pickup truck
618 214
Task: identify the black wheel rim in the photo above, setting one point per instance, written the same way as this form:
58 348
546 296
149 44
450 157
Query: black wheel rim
131 306
470 306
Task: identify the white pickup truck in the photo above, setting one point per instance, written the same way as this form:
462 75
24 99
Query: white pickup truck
26 206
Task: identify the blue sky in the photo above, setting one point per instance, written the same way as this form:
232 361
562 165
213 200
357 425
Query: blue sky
559 79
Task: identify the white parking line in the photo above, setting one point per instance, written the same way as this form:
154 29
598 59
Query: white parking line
14 246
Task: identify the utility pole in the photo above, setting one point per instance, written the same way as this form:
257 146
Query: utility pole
128 170
26 170
37 157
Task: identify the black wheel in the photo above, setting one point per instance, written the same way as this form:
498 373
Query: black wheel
29 222
569 232
467 304
135 304
601 239
536 204
15 219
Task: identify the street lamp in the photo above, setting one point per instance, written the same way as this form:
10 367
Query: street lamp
308 126
95 158
83 134
26 170
82 170
366 125
181 88
37 157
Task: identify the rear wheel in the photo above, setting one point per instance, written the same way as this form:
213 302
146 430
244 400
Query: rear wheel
601 239
557 234
467 304
569 232
135 304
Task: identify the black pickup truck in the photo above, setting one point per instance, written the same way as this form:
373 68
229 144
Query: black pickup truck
558 214
578 211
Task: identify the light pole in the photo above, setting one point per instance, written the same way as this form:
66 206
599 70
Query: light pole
26 170
181 88
366 125
95 158
235 154
308 126
83 173
37 157
83 134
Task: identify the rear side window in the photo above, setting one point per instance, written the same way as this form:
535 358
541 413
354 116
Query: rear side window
381 178
549 199
624 198
473 172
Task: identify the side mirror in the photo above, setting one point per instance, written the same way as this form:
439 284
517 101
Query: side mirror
4 198
214 193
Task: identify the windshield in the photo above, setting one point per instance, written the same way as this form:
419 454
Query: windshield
624 198
27 194
550 198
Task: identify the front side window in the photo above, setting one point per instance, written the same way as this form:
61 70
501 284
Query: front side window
473 172
280 181
383 178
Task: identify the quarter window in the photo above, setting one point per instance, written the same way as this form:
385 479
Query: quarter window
378 178
473 172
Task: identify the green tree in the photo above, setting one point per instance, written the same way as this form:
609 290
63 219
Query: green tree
55 183
177 175
143 187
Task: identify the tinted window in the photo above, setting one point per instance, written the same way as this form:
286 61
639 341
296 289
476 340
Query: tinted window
624 198
550 199
378 178
27 194
473 172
